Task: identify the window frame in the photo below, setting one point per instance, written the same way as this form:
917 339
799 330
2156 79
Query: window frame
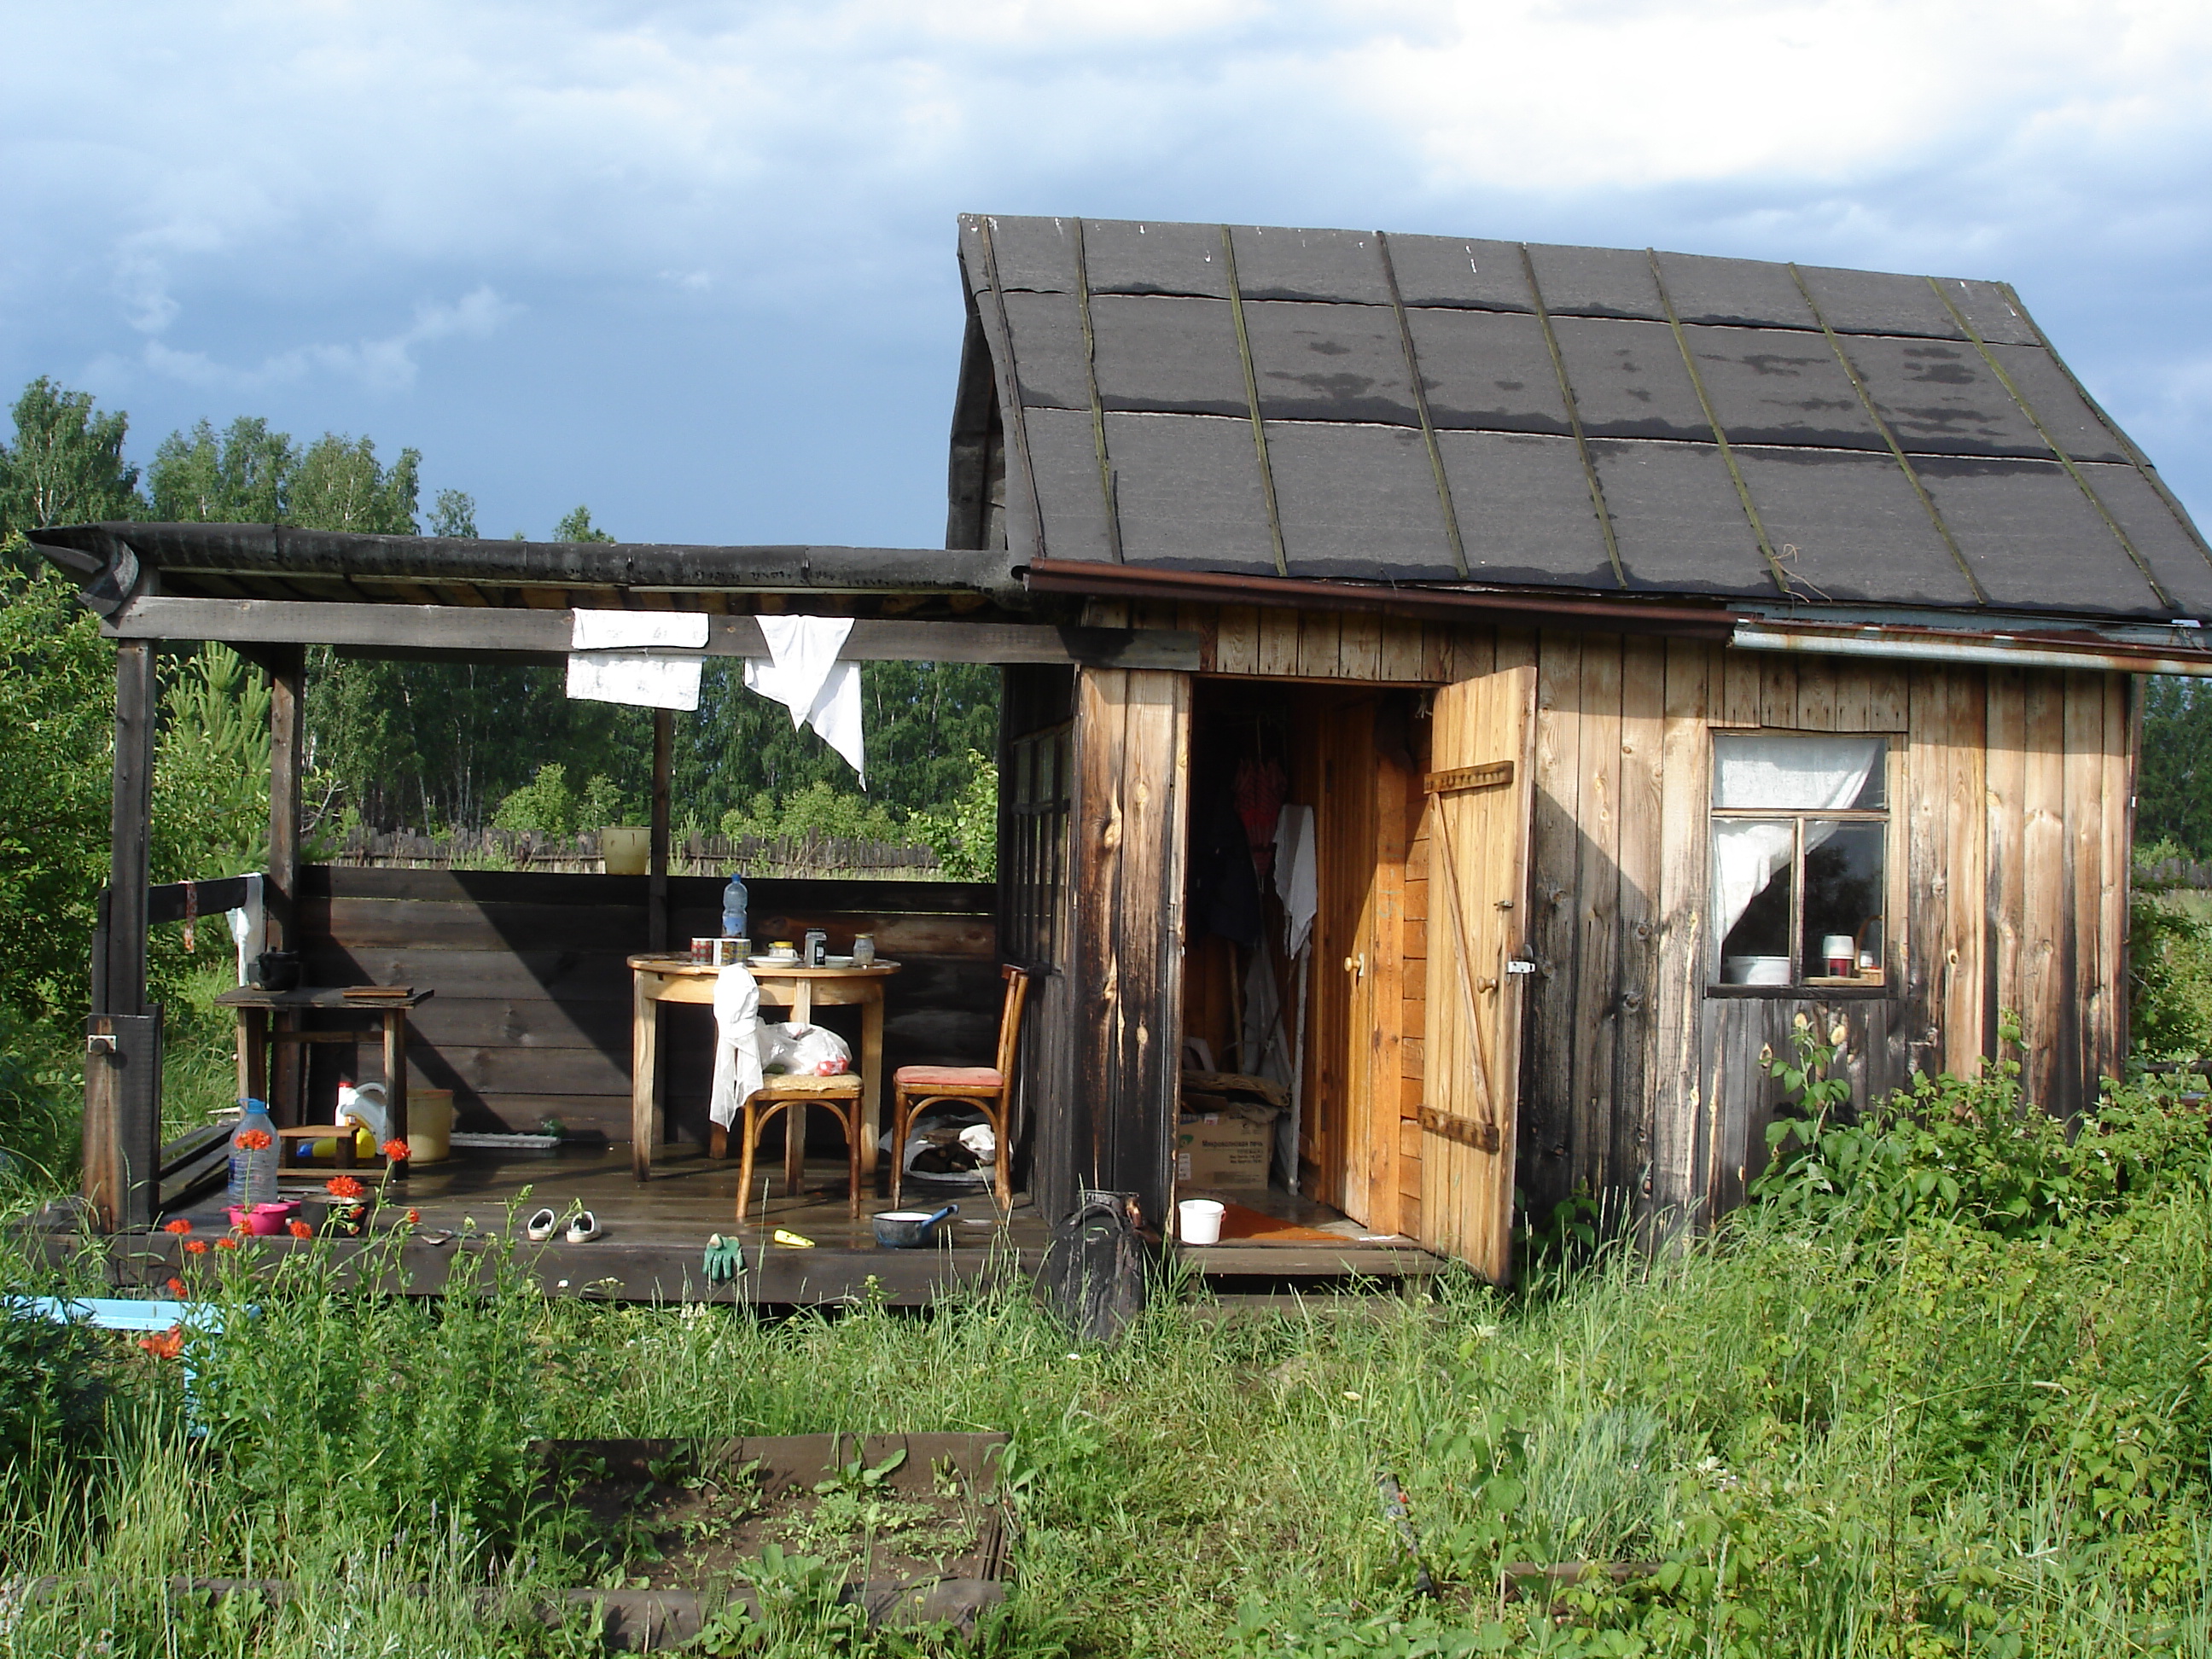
1890 962
1033 844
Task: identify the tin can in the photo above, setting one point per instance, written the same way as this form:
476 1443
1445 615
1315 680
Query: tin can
816 951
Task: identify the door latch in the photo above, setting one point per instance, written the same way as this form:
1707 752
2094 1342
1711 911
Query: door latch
1356 966
1521 964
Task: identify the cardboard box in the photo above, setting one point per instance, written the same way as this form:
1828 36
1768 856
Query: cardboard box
1230 1149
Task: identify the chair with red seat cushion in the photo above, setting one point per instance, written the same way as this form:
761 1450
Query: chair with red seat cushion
986 1088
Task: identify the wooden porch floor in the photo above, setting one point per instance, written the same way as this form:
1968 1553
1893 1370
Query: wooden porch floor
653 1235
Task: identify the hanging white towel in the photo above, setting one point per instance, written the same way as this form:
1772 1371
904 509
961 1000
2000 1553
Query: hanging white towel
648 658
1295 878
737 1044
804 675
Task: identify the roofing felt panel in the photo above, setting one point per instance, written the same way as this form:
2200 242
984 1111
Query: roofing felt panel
1596 281
1064 456
2064 413
1048 349
1743 292
1461 272
1850 527
2176 558
1124 257
1309 265
1358 501
1028 253
1940 398
1315 363
2033 540
1629 379
1188 488
1773 387
1174 355
1677 518
1524 509
1487 370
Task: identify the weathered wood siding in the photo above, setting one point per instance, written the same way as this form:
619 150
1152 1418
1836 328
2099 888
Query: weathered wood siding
531 1014
2010 828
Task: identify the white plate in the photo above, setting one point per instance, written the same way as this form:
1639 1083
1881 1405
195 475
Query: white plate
771 961
837 962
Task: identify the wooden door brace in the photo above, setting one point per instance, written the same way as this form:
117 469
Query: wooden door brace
1485 1127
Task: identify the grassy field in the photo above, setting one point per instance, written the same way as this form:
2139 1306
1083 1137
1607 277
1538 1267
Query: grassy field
1839 1427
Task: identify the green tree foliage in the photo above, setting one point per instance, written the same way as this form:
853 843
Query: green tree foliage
211 770
965 835
454 514
576 525
66 466
817 811
2173 788
242 477
57 736
549 806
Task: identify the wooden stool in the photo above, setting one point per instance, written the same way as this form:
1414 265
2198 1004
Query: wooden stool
841 1095
293 1145
989 1089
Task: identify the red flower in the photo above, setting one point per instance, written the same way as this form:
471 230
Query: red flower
253 1140
196 1246
178 1226
168 1345
344 1186
414 1216
176 1287
299 1230
226 1243
396 1150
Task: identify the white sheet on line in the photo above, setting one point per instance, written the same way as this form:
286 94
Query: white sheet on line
645 658
1296 877
804 675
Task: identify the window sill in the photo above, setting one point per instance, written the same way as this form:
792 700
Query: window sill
1814 993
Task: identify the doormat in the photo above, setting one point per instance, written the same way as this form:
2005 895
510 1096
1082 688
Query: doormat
1242 1224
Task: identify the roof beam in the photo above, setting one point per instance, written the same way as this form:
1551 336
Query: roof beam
466 631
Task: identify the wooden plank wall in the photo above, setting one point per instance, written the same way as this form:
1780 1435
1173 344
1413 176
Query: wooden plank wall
531 1014
2008 869
1129 828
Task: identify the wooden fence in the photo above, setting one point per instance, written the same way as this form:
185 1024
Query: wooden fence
2174 872
795 857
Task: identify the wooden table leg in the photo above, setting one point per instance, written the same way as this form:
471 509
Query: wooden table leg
644 1064
395 1084
871 1079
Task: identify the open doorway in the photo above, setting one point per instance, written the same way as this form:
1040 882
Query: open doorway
1304 972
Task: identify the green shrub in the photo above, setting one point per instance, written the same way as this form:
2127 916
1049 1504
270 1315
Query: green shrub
52 1388
549 806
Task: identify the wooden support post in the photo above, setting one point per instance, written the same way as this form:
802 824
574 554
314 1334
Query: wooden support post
656 912
122 1084
287 686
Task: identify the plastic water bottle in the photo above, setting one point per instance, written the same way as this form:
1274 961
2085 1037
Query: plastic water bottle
734 900
253 1169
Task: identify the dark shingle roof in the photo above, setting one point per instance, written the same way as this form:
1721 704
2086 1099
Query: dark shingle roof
1590 418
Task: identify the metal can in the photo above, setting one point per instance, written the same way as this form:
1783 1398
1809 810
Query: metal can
816 951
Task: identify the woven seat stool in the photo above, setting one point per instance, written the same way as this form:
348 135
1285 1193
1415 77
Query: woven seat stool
841 1094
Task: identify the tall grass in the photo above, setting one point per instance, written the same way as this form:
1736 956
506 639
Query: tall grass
1814 1437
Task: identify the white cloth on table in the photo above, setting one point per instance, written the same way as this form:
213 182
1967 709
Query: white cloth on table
1791 774
804 675
737 1044
646 659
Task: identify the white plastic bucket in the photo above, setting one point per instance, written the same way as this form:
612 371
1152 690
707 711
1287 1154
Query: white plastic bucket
1755 970
1198 1221
626 852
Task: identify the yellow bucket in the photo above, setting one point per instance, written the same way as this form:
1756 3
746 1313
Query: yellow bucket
429 1125
626 852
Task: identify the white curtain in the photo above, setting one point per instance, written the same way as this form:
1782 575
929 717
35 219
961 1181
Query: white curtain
1797 774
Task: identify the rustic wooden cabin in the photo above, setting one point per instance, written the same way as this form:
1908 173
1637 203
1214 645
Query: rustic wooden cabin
1486 692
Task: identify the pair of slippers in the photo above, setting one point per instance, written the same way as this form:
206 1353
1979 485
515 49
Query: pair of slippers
582 1228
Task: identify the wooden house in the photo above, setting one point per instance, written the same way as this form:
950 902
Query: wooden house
1666 646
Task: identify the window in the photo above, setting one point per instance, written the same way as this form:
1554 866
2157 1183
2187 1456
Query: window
1033 859
1800 831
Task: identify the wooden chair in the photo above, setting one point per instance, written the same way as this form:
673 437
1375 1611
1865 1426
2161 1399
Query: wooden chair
989 1089
841 1094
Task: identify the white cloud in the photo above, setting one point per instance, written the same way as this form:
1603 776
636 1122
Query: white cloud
385 364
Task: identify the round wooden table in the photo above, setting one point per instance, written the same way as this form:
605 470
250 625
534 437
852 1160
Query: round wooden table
676 978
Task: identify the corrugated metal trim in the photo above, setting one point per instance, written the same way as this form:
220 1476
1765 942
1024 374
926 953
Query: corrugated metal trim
1252 400
1994 649
1097 409
1720 437
2058 452
1574 419
1896 449
1421 404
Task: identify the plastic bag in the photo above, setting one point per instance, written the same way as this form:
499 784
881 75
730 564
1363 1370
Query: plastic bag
803 1051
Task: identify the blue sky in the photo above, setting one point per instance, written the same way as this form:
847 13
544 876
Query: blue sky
692 264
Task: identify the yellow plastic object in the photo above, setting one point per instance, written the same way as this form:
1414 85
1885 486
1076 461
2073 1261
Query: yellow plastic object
429 1125
796 1241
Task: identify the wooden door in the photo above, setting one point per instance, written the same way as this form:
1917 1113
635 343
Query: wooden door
1478 801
